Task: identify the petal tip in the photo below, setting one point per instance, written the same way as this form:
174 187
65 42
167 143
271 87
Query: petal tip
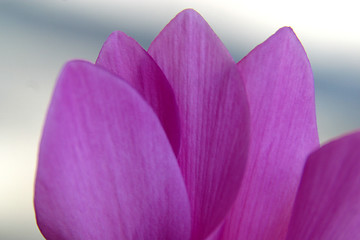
286 33
286 30
71 65
117 34
189 12
76 62
110 43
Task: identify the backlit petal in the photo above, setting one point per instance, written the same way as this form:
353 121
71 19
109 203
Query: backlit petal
106 169
213 113
124 57
279 84
327 205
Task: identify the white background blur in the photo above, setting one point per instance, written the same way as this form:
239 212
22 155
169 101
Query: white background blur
38 37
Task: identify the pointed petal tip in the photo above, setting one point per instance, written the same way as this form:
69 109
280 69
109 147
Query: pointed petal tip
189 12
116 35
112 40
284 38
286 30
287 34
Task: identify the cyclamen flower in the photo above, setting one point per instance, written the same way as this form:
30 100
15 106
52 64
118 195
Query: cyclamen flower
180 142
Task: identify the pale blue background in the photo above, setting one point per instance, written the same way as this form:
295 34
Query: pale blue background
38 37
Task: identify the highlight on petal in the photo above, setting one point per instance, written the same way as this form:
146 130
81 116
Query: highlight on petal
213 112
327 205
106 169
279 84
124 57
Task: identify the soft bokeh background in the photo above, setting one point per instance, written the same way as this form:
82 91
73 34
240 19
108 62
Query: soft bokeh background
38 37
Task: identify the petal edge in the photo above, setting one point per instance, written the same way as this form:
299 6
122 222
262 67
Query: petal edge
106 169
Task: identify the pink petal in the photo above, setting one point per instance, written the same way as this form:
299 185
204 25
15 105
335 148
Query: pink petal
213 115
280 88
124 57
106 169
328 201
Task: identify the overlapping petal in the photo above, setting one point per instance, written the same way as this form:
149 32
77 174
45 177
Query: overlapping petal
124 57
327 205
279 85
213 113
106 169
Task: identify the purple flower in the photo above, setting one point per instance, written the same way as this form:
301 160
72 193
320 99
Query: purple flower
180 142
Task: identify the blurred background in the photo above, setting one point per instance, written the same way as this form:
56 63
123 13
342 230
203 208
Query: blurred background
38 37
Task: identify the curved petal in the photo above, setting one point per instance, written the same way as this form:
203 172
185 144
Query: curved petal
124 57
213 113
327 205
279 84
106 169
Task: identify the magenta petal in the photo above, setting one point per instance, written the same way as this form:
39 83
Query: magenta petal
213 113
124 57
106 169
279 84
327 205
